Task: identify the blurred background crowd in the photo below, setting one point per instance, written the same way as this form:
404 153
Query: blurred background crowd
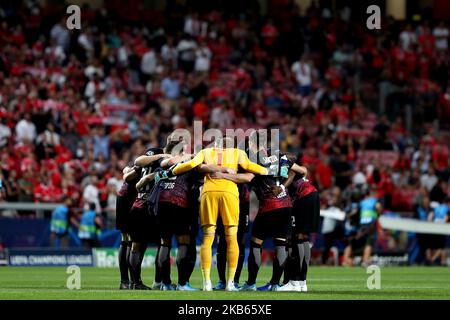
366 110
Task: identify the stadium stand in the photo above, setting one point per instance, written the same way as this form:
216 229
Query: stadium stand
79 103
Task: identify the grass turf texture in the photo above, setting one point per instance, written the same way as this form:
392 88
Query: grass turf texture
323 283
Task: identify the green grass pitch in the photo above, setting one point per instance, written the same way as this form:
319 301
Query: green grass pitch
330 283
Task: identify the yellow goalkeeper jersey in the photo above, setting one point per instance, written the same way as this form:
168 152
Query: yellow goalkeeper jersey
229 158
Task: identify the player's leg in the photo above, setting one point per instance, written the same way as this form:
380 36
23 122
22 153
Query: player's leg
282 220
347 256
242 232
136 258
166 222
162 259
304 263
241 243
182 229
183 263
192 248
206 255
254 256
279 224
128 254
279 262
229 212
310 207
367 253
221 256
254 263
123 263
139 237
208 220
291 258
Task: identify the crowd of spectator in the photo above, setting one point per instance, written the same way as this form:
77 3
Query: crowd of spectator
363 107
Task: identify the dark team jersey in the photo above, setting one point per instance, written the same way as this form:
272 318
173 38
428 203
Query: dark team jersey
144 193
300 188
127 195
264 185
244 193
176 190
194 193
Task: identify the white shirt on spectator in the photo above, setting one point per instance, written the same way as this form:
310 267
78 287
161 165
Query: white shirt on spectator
148 62
91 70
186 49
115 182
428 181
90 195
56 52
61 35
50 138
203 59
5 133
169 53
122 56
25 130
359 178
407 38
441 34
303 73
92 87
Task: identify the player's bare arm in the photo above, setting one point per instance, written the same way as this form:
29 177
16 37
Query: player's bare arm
130 173
145 180
301 170
168 162
279 189
144 161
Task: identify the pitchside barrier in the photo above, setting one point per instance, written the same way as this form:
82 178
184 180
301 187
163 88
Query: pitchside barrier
27 239
397 223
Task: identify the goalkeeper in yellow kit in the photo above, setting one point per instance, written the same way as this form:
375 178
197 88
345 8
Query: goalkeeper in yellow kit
219 196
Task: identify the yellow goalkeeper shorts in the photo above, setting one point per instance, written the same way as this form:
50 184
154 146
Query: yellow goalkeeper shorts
213 203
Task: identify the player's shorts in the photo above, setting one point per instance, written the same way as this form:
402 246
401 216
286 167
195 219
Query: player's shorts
272 224
424 240
306 213
143 225
123 208
244 221
436 241
193 218
368 239
214 204
173 220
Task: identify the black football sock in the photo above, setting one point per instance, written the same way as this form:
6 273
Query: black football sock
130 270
301 257
305 265
192 258
221 257
163 259
241 239
279 261
182 263
290 263
254 262
123 264
135 263
158 277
